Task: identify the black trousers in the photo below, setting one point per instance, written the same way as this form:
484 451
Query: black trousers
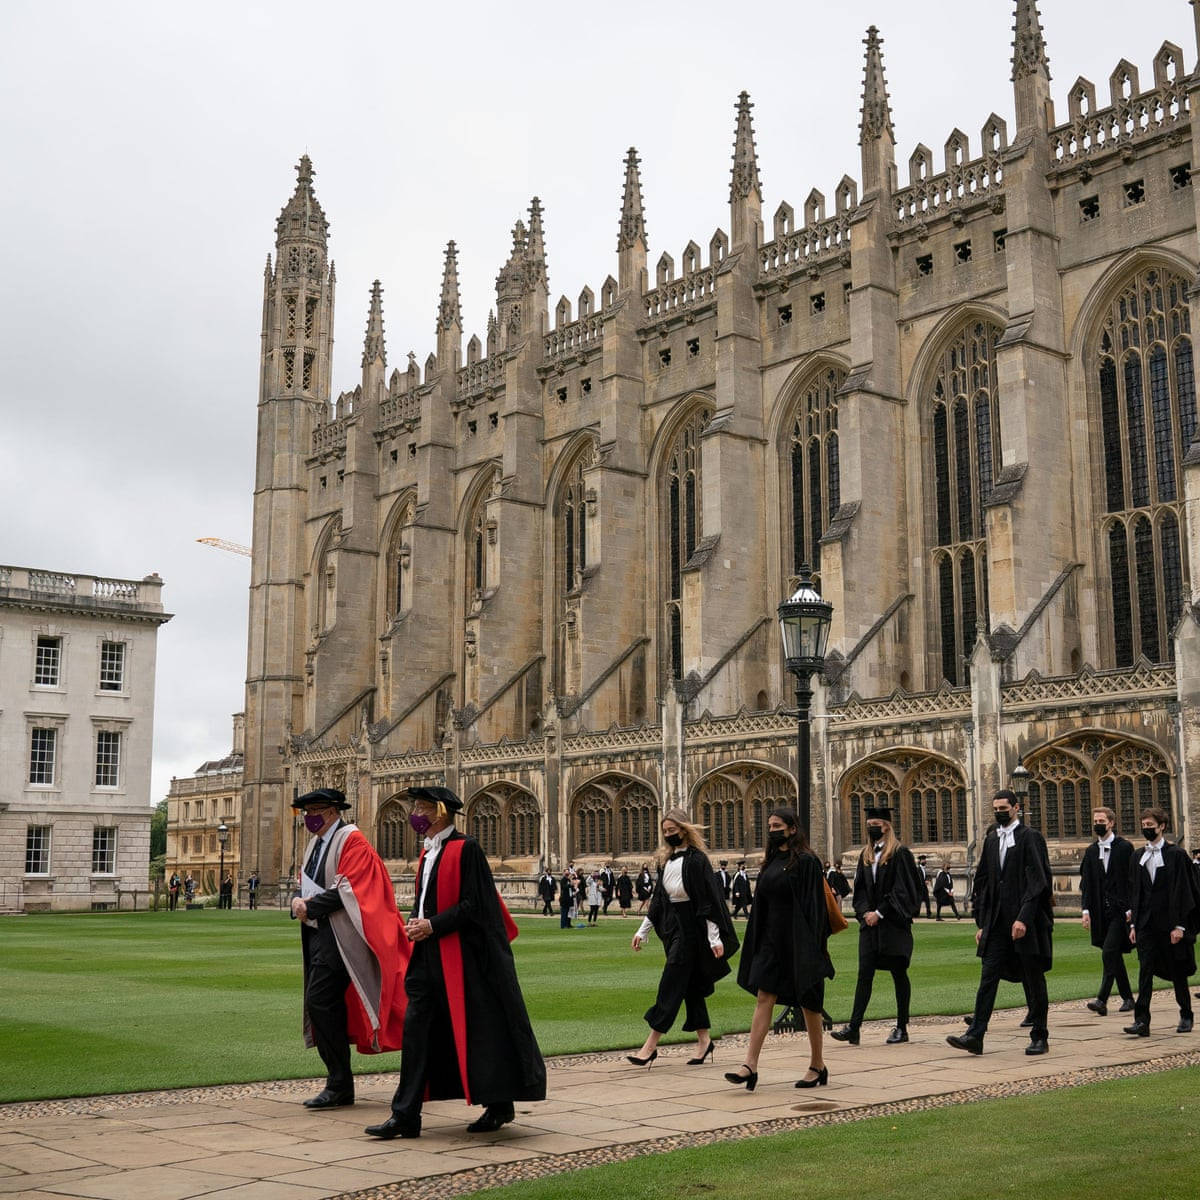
862 992
996 960
253 899
1146 959
944 898
1112 960
427 1031
547 906
325 999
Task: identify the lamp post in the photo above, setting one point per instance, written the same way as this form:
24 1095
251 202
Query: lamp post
223 838
1018 782
804 620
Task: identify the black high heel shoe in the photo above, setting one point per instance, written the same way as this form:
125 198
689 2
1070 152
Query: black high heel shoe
821 1080
643 1062
751 1080
709 1052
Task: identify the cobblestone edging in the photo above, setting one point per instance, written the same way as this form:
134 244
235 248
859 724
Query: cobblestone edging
463 1183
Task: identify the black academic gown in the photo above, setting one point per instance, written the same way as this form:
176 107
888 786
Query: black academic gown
1172 900
708 904
503 1059
897 891
1021 892
1105 894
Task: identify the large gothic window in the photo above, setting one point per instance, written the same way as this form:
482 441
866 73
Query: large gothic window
733 805
681 506
1095 770
612 816
1147 405
506 822
571 559
394 837
572 525
815 487
398 566
927 796
966 449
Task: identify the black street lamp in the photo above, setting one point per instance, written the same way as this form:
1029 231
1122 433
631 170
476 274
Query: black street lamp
804 620
1018 782
223 838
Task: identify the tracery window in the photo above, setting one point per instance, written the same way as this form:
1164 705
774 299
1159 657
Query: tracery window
571 558
572 526
612 816
1093 770
815 481
966 449
733 805
394 837
397 565
484 824
682 509
870 786
506 821
927 796
1147 403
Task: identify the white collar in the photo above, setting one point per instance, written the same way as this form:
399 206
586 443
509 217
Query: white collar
1107 842
1155 847
439 838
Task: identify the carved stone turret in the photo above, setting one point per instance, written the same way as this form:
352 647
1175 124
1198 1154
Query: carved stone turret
745 187
632 242
1030 68
877 136
449 321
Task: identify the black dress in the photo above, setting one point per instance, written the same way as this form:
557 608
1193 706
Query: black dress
784 952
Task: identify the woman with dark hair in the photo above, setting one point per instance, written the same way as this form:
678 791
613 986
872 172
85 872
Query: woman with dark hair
687 911
887 896
644 887
784 960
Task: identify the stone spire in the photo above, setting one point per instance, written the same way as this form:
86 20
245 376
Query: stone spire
633 216
876 106
535 248
1029 45
449 309
745 158
302 216
373 344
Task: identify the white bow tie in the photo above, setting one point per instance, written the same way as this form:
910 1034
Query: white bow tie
430 843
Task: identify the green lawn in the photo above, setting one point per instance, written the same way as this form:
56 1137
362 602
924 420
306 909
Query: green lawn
98 1002
1062 1145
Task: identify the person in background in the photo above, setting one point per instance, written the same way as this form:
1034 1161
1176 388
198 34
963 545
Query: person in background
724 879
1104 878
547 890
924 874
644 888
624 892
740 891
594 896
943 891
252 890
608 883
173 885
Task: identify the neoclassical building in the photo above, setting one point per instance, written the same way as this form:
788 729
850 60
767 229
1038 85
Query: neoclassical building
544 565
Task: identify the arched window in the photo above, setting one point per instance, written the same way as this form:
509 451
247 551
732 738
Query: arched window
614 815
572 527
325 581
506 821
815 489
394 838
523 827
397 565
927 796
571 558
1094 770
1147 405
873 785
966 448
734 802
681 505
484 824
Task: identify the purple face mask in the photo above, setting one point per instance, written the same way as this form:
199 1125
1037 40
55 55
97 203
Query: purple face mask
313 821
420 823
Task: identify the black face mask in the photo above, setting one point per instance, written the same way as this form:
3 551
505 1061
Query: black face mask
874 832
776 837
674 839
1100 830
1003 818
1150 833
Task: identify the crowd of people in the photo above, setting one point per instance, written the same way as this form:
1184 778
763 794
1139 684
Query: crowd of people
441 984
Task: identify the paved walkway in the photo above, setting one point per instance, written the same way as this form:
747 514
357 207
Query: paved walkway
255 1142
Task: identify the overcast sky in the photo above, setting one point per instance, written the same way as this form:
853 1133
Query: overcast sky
148 147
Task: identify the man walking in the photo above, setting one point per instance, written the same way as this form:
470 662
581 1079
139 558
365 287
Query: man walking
740 891
1015 922
924 874
1165 916
547 889
252 890
354 951
466 1031
943 891
1104 887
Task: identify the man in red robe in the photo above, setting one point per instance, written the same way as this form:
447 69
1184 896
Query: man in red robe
466 1031
354 947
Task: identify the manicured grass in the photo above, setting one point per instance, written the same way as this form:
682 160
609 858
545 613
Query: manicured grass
1062 1145
98 1002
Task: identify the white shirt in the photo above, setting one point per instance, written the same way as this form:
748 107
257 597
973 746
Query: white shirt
1106 845
433 847
1152 858
672 879
1005 834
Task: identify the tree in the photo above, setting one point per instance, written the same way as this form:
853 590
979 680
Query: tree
158 829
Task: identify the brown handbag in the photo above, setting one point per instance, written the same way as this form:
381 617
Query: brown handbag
837 922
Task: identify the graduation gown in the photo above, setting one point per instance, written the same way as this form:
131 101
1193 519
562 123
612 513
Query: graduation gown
497 1055
1105 894
708 904
1021 891
1172 900
898 892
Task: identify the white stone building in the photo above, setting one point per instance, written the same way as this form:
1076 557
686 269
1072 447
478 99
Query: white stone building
77 661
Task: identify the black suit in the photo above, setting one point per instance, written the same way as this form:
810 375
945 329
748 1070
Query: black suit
1171 901
1104 889
1017 890
943 893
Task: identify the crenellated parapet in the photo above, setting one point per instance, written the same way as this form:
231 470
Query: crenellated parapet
692 292
963 182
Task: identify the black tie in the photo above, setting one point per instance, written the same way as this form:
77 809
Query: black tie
314 860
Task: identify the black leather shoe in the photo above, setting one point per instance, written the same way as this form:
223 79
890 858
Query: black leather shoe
847 1033
898 1035
1184 1026
972 1045
1027 1023
1038 1046
394 1126
493 1117
1138 1029
328 1099
1126 1006
1098 1007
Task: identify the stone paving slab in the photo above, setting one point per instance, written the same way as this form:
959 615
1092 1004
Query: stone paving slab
256 1141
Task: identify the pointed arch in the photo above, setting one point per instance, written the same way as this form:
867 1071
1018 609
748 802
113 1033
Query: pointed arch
612 815
926 791
733 801
506 820
323 575
395 558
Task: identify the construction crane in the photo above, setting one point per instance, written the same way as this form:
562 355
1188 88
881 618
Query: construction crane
222 544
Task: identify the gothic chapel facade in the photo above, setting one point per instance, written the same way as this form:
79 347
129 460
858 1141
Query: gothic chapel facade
545 566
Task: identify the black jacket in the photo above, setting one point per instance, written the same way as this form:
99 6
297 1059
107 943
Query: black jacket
1105 894
897 892
1021 891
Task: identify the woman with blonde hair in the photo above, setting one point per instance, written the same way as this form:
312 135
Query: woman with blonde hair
887 896
687 911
